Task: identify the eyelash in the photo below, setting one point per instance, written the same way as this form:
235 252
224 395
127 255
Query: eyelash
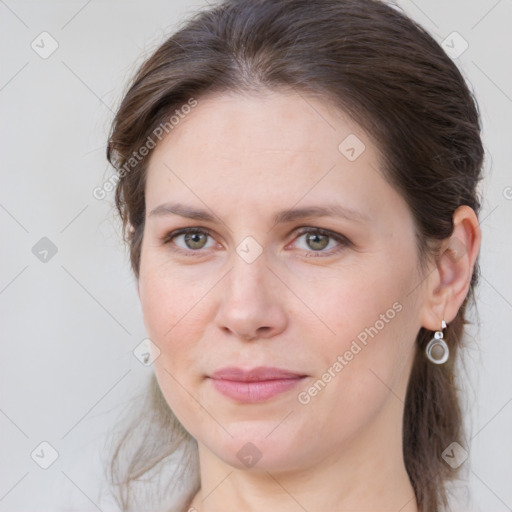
342 240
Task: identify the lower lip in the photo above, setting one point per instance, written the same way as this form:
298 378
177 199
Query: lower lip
256 391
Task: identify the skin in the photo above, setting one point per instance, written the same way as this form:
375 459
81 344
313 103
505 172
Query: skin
244 158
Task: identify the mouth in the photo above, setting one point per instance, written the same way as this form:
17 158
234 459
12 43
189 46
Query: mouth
255 385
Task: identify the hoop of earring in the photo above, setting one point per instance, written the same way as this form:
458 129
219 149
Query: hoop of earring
437 350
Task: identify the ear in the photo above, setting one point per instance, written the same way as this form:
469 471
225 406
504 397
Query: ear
448 283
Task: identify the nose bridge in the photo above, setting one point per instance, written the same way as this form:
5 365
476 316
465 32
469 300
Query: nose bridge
248 278
249 306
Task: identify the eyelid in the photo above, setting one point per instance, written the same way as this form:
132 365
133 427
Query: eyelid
169 235
323 231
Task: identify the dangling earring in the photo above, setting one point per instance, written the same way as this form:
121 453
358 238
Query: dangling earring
437 350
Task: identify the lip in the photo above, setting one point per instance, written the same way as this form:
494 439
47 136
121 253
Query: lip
254 385
254 374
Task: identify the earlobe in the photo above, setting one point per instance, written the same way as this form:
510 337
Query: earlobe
448 284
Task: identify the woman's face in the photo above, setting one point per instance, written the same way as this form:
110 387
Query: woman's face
302 258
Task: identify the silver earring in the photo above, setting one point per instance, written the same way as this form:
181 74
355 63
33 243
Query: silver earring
437 350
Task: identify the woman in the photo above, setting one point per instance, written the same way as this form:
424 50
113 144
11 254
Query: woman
297 185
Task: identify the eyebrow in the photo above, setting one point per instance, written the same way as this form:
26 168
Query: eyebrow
281 217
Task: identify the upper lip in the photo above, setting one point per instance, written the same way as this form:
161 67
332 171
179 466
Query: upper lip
254 374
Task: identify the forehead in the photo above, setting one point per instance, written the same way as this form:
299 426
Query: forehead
273 147
245 124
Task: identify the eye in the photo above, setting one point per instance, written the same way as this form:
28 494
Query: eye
189 239
315 241
322 241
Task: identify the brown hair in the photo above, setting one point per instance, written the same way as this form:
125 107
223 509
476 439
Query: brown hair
396 82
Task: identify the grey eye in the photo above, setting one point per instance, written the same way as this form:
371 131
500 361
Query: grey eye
192 240
196 240
317 241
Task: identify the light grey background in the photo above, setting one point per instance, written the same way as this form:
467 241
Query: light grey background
70 324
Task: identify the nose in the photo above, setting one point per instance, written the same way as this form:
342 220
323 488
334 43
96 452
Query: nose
252 304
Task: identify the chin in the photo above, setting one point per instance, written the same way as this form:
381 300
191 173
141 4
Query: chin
259 451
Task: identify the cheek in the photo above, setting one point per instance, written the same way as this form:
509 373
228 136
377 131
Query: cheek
172 310
364 365
170 300
347 302
369 329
